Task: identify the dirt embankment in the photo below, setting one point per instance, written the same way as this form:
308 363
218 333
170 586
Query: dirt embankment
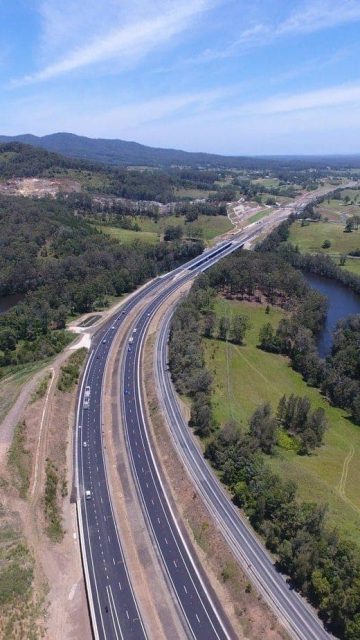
46 595
249 615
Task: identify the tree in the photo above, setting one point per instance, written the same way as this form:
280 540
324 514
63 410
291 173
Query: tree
7 339
224 328
173 232
353 628
326 244
209 324
200 416
262 428
266 337
355 409
239 326
349 226
342 260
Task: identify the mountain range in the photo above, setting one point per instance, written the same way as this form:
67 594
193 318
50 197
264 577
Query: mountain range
125 153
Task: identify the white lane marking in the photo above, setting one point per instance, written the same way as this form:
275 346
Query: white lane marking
112 610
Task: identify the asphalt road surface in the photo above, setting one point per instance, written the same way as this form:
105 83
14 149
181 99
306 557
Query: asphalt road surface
112 602
300 619
113 607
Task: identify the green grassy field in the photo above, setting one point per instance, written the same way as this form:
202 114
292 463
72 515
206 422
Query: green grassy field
192 193
127 236
13 380
245 376
310 238
353 265
208 227
267 182
335 209
259 215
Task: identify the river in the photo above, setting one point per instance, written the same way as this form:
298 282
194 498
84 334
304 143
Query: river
342 302
10 301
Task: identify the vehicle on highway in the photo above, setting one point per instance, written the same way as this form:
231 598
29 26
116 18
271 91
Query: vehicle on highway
104 341
85 443
131 340
88 494
87 392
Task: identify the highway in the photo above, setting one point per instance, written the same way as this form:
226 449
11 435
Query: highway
290 607
113 608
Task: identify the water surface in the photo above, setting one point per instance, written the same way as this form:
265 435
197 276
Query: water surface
342 302
10 301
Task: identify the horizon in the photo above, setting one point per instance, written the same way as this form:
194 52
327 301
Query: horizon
263 156
228 78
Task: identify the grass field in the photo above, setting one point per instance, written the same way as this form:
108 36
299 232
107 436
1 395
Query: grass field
192 193
267 182
310 238
151 232
259 215
244 377
335 209
13 380
126 236
353 265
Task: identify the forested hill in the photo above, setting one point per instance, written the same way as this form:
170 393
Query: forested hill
22 160
121 152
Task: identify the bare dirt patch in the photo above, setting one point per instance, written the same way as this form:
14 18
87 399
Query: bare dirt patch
249 615
39 187
54 604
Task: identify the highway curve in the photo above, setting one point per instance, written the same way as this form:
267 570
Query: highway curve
299 618
113 607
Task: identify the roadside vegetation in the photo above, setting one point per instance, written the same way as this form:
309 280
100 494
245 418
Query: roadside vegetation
42 387
70 371
19 609
12 378
261 449
19 460
54 528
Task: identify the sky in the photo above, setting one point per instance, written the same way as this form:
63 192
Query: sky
224 76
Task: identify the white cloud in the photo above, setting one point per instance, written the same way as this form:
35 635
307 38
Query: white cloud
311 17
140 27
330 97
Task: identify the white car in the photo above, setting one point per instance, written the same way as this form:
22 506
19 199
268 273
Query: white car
85 443
88 494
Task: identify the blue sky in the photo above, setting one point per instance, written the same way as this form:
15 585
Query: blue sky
224 76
